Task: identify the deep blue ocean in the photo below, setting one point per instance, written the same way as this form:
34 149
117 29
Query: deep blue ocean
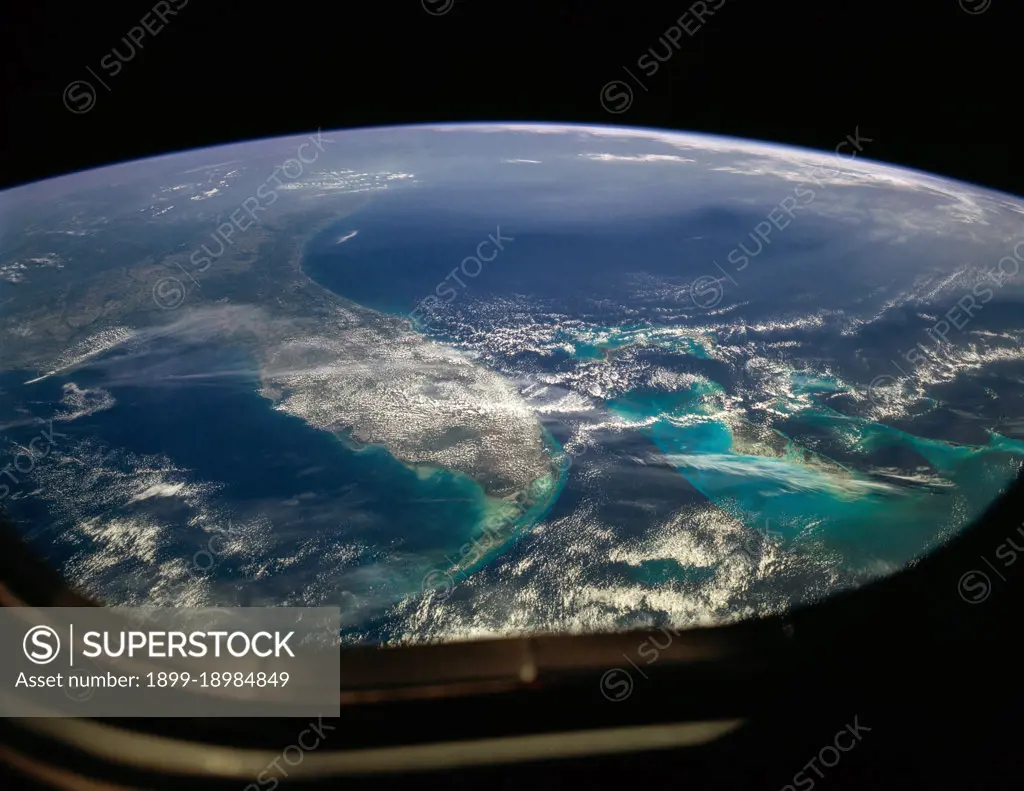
200 408
824 493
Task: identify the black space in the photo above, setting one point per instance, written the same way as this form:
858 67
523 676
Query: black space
931 85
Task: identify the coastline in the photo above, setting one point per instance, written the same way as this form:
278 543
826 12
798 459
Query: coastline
513 517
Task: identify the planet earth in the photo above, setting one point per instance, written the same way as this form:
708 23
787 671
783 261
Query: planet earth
480 380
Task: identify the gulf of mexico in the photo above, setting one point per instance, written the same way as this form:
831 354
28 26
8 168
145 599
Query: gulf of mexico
199 410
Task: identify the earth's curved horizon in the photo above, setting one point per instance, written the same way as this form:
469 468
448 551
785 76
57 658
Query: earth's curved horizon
471 380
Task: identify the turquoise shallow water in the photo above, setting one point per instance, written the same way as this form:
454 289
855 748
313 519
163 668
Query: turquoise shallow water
872 517
868 495
307 484
597 343
690 424
843 503
500 523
